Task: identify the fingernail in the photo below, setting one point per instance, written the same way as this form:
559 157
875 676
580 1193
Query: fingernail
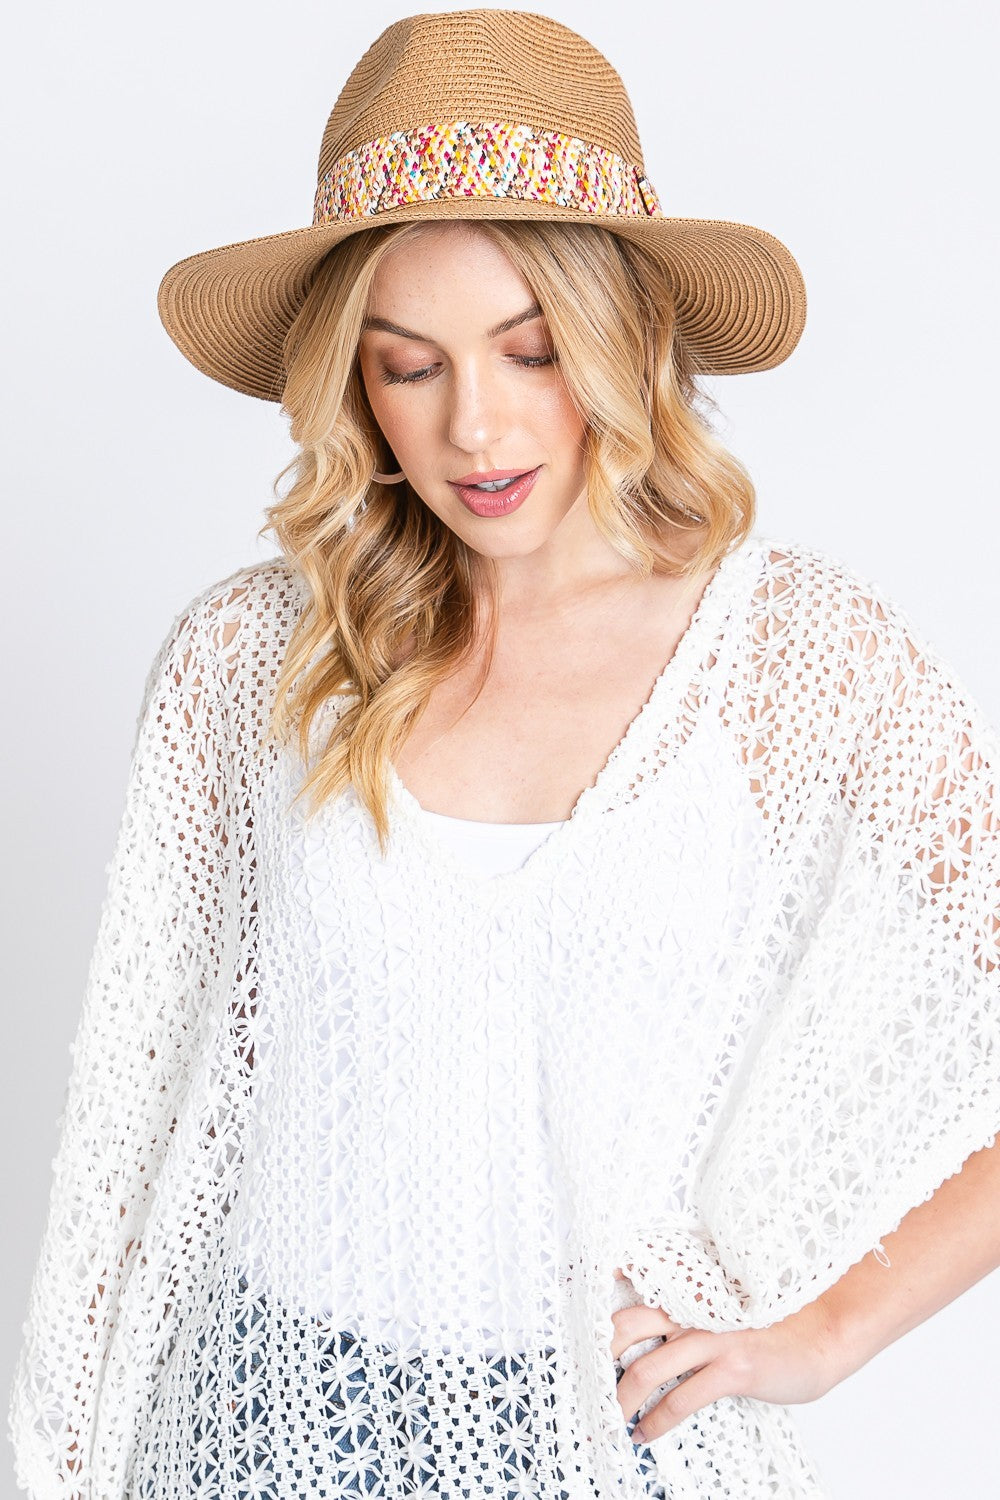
638 1436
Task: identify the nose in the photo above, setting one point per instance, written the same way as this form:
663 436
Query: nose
478 413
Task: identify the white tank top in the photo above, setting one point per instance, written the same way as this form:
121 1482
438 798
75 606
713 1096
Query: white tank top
488 848
485 849
685 942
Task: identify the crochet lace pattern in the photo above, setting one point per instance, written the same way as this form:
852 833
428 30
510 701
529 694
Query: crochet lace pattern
754 979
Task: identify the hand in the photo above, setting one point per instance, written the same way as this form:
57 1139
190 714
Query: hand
790 1362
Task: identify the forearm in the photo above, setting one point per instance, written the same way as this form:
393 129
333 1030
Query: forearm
939 1250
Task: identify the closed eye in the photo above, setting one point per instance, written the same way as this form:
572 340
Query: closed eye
529 361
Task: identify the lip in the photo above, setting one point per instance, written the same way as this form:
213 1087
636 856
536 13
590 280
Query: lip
487 474
481 503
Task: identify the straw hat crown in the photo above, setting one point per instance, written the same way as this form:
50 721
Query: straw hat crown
482 65
482 113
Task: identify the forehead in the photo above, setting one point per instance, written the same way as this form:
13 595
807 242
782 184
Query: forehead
454 259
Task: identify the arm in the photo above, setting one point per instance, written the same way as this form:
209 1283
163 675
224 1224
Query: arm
885 1057
946 1244
940 1249
155 959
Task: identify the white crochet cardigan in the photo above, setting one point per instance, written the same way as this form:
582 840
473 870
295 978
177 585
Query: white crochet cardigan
737 1086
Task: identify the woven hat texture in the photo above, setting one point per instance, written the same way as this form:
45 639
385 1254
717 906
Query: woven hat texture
482 113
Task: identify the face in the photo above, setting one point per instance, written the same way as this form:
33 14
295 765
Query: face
464 383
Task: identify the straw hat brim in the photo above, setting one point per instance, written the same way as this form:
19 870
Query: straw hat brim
740 294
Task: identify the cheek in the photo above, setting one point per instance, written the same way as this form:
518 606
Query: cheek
565 425
391 416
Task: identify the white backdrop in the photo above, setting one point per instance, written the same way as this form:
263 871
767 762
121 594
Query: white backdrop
864 136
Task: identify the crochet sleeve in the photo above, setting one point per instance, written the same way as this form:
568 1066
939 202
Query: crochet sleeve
876 1072
157 952
928 785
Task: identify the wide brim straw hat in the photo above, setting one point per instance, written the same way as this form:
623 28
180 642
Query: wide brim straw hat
468 114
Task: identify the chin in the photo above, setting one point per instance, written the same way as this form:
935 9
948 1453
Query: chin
516 535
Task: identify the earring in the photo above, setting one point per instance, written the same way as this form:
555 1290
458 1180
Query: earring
378 478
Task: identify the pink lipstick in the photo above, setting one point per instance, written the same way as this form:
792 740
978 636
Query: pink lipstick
498 502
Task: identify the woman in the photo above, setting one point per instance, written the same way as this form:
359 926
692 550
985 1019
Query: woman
551 948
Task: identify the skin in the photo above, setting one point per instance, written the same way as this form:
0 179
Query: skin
940 1249
499 402
579 634
478 406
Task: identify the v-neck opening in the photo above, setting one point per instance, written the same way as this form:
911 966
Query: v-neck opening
682 666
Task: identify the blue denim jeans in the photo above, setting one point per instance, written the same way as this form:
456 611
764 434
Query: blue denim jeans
350 1450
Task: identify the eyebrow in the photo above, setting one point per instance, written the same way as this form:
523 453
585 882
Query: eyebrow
384 326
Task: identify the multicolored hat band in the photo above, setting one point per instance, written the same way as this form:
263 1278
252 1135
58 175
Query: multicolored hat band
490 159
499 114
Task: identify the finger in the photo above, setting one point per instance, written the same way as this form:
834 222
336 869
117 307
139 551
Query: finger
633 1324
703 1386
687 1351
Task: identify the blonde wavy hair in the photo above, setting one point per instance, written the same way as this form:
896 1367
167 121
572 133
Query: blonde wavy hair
397 598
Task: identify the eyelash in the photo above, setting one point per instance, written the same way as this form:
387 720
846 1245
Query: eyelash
415 377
